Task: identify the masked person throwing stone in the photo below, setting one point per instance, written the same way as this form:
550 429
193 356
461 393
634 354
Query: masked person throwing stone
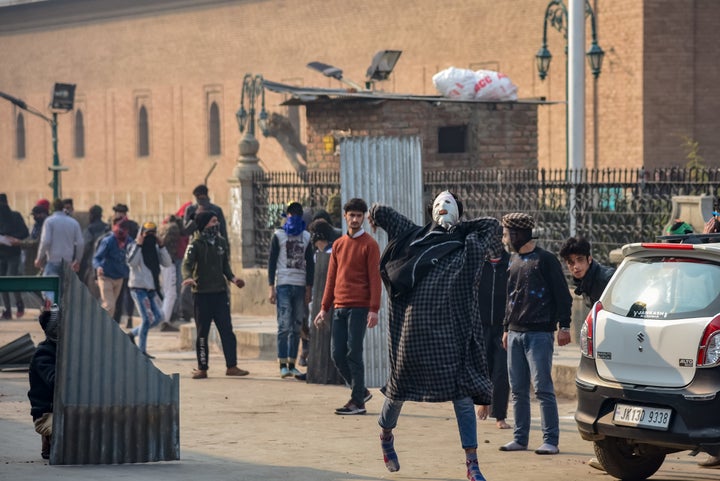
437 353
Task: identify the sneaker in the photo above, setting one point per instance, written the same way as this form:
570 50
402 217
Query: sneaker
513 446
294 372
20 310
302 361
167 327
473 471
367 396
7 315
351 409
301 377
236 371
594 463
199 374
285 372
547 449
389 455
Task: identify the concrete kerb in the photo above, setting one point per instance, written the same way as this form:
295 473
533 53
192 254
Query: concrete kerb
256 339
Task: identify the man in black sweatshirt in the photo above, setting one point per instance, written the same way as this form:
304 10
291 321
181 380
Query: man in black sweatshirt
538 300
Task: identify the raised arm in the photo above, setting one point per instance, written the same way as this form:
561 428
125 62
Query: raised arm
390 220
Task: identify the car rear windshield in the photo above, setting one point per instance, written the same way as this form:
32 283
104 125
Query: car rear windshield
664 288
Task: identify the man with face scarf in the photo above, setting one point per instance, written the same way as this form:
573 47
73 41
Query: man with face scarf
206 267
202 203
538 300
110 265
144 257
291 269
437 351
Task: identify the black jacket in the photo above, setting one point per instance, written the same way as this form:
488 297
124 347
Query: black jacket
593 284
491 290
12 224
42 379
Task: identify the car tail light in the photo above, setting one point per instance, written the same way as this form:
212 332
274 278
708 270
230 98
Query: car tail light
709 348
587 346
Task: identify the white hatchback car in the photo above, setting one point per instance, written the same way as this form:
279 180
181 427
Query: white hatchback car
648 382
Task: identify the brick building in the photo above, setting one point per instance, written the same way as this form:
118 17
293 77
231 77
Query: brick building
158 82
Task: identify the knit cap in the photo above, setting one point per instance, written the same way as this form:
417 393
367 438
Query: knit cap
518 220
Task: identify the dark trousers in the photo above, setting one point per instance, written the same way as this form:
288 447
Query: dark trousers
348 334
211 307
498 370
10 266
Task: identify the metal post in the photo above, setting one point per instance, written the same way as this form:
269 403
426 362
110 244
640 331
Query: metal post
57 191
576 102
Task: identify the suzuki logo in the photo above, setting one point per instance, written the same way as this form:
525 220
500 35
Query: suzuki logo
640 337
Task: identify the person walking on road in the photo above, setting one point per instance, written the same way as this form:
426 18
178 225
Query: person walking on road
353 289
206 267
145 256
12 231
61 241
538 299
291 271
435 341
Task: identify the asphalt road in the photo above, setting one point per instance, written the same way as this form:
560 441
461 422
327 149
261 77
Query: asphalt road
265 428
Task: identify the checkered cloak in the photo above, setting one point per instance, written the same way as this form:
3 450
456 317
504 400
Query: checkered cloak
437 352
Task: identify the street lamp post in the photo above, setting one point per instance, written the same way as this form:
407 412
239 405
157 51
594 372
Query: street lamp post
252 89
557 16
56 168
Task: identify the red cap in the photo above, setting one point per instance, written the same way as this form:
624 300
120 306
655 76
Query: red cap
43 203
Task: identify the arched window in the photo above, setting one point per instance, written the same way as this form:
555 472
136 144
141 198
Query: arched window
143 133
20 136
79 134
214 130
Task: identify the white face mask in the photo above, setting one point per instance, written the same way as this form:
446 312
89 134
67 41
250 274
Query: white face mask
445 210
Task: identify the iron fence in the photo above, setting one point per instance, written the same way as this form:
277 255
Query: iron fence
612 207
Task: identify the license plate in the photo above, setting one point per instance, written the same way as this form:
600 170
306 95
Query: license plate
642 417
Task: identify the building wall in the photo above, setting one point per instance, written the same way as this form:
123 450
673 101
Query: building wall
499 135
177 53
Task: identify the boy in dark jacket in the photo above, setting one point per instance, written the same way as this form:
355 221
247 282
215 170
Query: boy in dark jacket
206 267
491 295
589 277
42 379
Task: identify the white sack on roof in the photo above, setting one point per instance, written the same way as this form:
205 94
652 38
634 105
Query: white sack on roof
464 84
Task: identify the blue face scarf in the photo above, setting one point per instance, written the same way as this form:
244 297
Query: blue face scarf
294 225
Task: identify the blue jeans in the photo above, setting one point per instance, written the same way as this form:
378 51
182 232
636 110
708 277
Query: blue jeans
150 309
52 269
464 415
290 302
530 360
348 334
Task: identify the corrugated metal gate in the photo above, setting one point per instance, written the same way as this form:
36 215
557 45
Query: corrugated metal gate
386 170
112 405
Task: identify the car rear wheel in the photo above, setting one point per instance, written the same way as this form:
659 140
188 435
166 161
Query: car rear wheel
628 461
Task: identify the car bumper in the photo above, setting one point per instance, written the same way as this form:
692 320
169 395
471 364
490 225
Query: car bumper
694 421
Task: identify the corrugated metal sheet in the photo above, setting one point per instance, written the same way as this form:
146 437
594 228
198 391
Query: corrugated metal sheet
384 170
112 405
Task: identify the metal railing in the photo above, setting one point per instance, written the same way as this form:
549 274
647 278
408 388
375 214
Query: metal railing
613 207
